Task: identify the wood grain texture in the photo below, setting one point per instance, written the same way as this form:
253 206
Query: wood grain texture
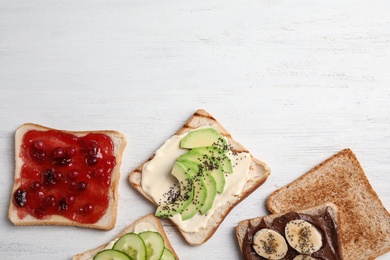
293 81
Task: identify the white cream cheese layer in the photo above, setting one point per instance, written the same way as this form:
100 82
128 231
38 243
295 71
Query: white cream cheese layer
143 226
157 180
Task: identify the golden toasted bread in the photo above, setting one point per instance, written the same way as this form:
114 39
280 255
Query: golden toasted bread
364 223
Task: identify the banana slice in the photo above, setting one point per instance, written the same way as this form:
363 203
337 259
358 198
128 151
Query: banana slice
303 236
269 244
304 257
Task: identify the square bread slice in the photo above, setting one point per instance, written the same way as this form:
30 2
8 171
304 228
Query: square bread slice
364 221
258 171
150 220
105 222
250 225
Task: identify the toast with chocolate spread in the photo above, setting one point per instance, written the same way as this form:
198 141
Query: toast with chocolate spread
257 238
364 223
58 174
147 222
257 172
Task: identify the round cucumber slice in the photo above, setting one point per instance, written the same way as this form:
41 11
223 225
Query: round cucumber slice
167 255
133 245
154 243
111 254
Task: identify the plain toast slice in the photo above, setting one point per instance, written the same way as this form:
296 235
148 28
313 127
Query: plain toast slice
150 219
106 221
364 222
259 172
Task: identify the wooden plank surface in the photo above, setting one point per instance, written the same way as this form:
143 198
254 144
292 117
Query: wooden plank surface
293 81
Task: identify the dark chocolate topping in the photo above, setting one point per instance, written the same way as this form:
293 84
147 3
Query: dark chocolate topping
323 222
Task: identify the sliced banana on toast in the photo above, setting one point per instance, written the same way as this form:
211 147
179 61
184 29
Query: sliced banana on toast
304 257
303 236
269 244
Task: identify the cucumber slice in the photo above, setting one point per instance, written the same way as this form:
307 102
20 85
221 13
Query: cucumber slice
154 243
132 245
111 254
167 255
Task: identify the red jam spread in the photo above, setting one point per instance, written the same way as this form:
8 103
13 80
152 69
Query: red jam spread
64 175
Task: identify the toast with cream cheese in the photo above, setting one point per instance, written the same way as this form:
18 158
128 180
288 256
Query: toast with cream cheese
200 228
146 223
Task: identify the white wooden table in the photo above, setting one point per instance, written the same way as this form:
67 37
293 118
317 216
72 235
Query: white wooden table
293 81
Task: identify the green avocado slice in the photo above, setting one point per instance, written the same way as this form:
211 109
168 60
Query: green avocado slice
216 154
200 190
204 137
211 185
207 164
186 193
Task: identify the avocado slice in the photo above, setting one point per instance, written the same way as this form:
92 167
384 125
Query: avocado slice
186 193
215 153
200 191
204 137
208 164
211 186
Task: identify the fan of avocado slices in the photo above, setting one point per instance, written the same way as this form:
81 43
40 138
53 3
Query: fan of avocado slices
148 245
200 173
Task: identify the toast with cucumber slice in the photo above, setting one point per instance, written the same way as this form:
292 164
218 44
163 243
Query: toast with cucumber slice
197 176
143 239
364 221
311 233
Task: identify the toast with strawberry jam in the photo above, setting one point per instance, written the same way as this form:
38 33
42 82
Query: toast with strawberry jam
66 178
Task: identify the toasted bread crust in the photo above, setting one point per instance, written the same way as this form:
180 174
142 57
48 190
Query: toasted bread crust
258 171
364 222
108 220
242 227
151 219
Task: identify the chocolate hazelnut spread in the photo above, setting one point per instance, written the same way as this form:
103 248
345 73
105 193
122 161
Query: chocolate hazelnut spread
323 222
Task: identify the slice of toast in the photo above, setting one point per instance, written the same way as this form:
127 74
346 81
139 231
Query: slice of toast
149 219
258 172
245 225
364 222
107 220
